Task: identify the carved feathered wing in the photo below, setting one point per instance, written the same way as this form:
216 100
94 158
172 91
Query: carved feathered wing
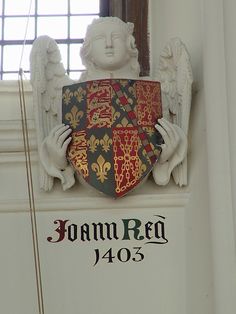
175 74
48 76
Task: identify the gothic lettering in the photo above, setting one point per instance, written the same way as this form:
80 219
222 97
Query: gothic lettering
153 232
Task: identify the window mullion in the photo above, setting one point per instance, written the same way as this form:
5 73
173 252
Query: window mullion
2 46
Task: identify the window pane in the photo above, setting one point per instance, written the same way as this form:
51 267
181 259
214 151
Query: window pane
12 56
18 7
53 6
25 63
26 76
64 52
15 28
75 75
75 60
79 25
48 22
83 7
55 27
0 28
10 76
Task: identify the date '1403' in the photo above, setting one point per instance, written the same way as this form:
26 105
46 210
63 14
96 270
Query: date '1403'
123 255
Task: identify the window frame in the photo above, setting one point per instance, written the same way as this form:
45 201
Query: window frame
21 42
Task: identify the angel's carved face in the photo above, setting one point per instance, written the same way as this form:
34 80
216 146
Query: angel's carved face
109 49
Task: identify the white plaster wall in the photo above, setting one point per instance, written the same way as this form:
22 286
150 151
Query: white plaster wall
207 28
183 19
218 91
229 7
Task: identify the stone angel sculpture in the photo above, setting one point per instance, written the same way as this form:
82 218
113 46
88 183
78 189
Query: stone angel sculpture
175 75
48 76
108 51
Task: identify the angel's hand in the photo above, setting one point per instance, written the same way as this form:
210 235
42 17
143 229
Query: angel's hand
170 137
57 143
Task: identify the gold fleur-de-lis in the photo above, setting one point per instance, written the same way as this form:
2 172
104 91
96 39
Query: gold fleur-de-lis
101 167
141 168
115 114
74 117
150 130
124 83
67 95
130 100
132 91
79 94
93 142
119 104
106 142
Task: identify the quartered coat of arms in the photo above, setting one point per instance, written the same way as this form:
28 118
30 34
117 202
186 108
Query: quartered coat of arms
111 128
114 142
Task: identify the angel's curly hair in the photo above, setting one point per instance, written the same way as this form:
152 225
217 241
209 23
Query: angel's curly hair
127 29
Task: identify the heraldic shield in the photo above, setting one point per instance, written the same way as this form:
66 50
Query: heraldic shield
114 142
